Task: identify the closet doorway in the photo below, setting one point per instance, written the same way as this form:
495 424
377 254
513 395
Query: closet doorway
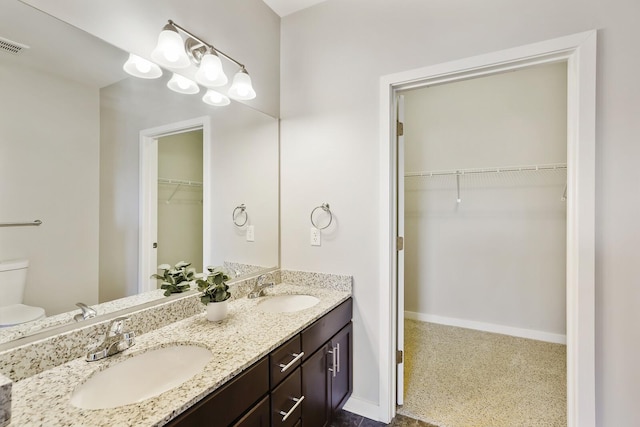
579 52
485 248
175 208
180 199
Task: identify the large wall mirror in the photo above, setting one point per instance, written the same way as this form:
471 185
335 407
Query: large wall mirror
71 155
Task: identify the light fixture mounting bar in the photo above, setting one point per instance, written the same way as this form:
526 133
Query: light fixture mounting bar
188 33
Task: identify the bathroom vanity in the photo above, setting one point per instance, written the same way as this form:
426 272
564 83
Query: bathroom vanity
267 369
305 379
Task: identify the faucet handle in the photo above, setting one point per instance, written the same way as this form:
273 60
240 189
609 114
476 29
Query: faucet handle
116 326
261 278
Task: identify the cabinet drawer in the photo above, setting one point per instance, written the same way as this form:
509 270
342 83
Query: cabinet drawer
226 404
286 401
284 360
323 329
257 417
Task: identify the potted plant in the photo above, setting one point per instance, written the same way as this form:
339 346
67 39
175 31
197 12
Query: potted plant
215 292
177 279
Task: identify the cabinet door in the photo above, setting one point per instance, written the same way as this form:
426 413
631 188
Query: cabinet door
341 367
316 408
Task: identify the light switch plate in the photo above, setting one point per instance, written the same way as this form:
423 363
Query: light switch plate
315 237
250 234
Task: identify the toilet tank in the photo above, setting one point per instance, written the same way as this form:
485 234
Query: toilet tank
13 278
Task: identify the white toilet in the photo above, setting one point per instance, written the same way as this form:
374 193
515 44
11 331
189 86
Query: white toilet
13 279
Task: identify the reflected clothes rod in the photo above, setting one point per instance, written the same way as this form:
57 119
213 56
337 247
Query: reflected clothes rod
20 224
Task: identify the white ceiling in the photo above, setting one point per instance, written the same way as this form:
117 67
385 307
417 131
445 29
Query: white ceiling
287 7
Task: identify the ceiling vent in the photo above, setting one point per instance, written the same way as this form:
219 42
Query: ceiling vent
12 47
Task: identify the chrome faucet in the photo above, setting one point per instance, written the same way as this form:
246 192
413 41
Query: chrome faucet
261 285
115 341
87 312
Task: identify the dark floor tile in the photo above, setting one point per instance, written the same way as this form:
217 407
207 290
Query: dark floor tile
346 419
404 421
366 422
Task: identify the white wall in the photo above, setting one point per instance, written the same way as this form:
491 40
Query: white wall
245 170
49 171
499 256
180 208
332 58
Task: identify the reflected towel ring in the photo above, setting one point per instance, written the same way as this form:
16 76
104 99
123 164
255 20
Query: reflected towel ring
243 210
324 207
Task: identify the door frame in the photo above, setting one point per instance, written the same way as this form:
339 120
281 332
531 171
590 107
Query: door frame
148 194
579 51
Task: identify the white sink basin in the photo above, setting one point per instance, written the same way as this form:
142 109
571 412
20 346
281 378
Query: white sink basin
287 303
141 377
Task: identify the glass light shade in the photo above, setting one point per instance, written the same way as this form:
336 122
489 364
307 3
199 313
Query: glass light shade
215 98
241 88
140 67
182 84
169 51
210 73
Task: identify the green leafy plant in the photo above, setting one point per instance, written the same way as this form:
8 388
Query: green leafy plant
213 285
175 279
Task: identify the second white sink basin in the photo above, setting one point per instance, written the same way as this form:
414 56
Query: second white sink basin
141 377
287 303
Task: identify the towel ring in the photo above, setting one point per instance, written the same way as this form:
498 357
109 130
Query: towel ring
324 207
243 210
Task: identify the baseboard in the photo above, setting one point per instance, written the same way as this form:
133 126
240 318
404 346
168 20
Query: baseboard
488 327
363 407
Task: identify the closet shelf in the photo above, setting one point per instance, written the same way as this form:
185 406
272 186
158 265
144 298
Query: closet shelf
179 182
459 172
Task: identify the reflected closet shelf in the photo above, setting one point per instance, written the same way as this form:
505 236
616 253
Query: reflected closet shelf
526 168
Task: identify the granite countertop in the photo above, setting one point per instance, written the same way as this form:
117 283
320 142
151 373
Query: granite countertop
243 338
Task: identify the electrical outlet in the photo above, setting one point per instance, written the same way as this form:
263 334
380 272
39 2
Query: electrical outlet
315 237
250 234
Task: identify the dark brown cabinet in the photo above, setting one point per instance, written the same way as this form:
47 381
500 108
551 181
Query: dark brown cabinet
299 384
327 374
341 377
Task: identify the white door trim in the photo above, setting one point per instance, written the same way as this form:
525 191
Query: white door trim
149 193
579 50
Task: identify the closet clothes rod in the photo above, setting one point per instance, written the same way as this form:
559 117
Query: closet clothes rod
458 172
179 182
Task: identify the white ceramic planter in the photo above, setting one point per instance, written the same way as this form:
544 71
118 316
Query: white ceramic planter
217 310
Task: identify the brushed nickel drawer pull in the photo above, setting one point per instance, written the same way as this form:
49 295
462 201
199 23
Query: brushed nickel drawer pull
296 357
333 368
287 414
338 355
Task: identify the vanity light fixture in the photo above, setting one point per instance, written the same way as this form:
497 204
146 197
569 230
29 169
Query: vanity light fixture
215 98
140 67
169 51
182 84
210 72
173 53
241 88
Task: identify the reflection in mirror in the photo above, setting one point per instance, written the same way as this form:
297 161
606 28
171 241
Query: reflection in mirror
70 144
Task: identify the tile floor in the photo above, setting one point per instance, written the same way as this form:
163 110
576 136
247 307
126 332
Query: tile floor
347 419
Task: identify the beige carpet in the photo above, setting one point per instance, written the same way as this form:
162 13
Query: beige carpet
457 377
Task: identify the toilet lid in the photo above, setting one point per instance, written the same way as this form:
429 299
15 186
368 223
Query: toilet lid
16 314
